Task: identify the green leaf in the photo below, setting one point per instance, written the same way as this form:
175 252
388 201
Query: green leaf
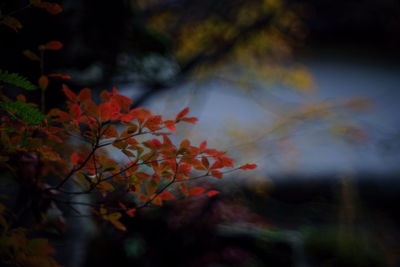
28 114
17 80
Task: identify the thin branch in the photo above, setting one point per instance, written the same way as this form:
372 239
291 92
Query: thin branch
16 11
148 202
130 136
93 186
74 170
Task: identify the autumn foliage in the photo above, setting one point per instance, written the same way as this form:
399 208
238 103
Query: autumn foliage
64 152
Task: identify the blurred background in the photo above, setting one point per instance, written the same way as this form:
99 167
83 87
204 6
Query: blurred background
308 90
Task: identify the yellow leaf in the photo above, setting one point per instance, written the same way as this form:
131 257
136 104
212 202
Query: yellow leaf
32 56
11 22
118 225
105 187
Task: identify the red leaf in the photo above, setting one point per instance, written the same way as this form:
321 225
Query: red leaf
52 8
218 164
61 76
122 205
154 143
43 82
153 123
70 95
217 174
53 45
167 141
166 196
126 117
182 114
84 95
205 162
55 138
170 124
214 152
76 111
203 145
131 212
228 162
195 191
109 111
76 158
212 193
140 114
123 101
248 167
190 120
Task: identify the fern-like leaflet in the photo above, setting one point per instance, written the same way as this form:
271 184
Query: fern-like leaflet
16 80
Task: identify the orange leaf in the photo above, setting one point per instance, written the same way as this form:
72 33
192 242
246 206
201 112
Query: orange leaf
182 114
118 225
43 82
166 196
53 45
21 98
248 167
184 144
195 191
212 193
55 138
